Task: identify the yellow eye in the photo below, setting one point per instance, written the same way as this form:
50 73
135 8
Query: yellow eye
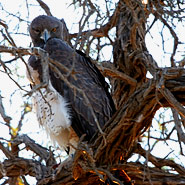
54 30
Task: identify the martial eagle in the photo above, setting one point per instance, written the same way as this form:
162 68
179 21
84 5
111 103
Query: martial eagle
78 105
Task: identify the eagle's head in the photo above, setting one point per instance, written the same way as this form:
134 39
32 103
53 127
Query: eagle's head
44 27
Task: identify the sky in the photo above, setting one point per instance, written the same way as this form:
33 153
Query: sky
61 9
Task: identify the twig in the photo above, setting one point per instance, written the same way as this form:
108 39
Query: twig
6 118
103 30
111 72
176 39
42 152
7 153
177 122
45 7
110 176
158 162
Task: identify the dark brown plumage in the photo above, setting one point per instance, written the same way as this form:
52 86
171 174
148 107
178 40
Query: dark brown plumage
81 75
86 77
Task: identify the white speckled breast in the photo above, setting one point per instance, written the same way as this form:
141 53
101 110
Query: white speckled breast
53 114
52 111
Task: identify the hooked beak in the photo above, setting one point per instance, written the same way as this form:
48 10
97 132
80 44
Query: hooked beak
45 35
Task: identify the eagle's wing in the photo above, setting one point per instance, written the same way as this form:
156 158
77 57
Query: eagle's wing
93 97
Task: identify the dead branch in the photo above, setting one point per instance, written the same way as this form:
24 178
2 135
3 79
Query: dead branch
128 123
6 118
21 166
138 172
180 133
158 162
45 7
42 152
7 153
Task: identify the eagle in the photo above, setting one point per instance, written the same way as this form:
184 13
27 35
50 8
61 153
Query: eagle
76 101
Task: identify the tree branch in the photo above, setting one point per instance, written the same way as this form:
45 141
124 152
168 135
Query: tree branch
158 162
45 7
42 152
